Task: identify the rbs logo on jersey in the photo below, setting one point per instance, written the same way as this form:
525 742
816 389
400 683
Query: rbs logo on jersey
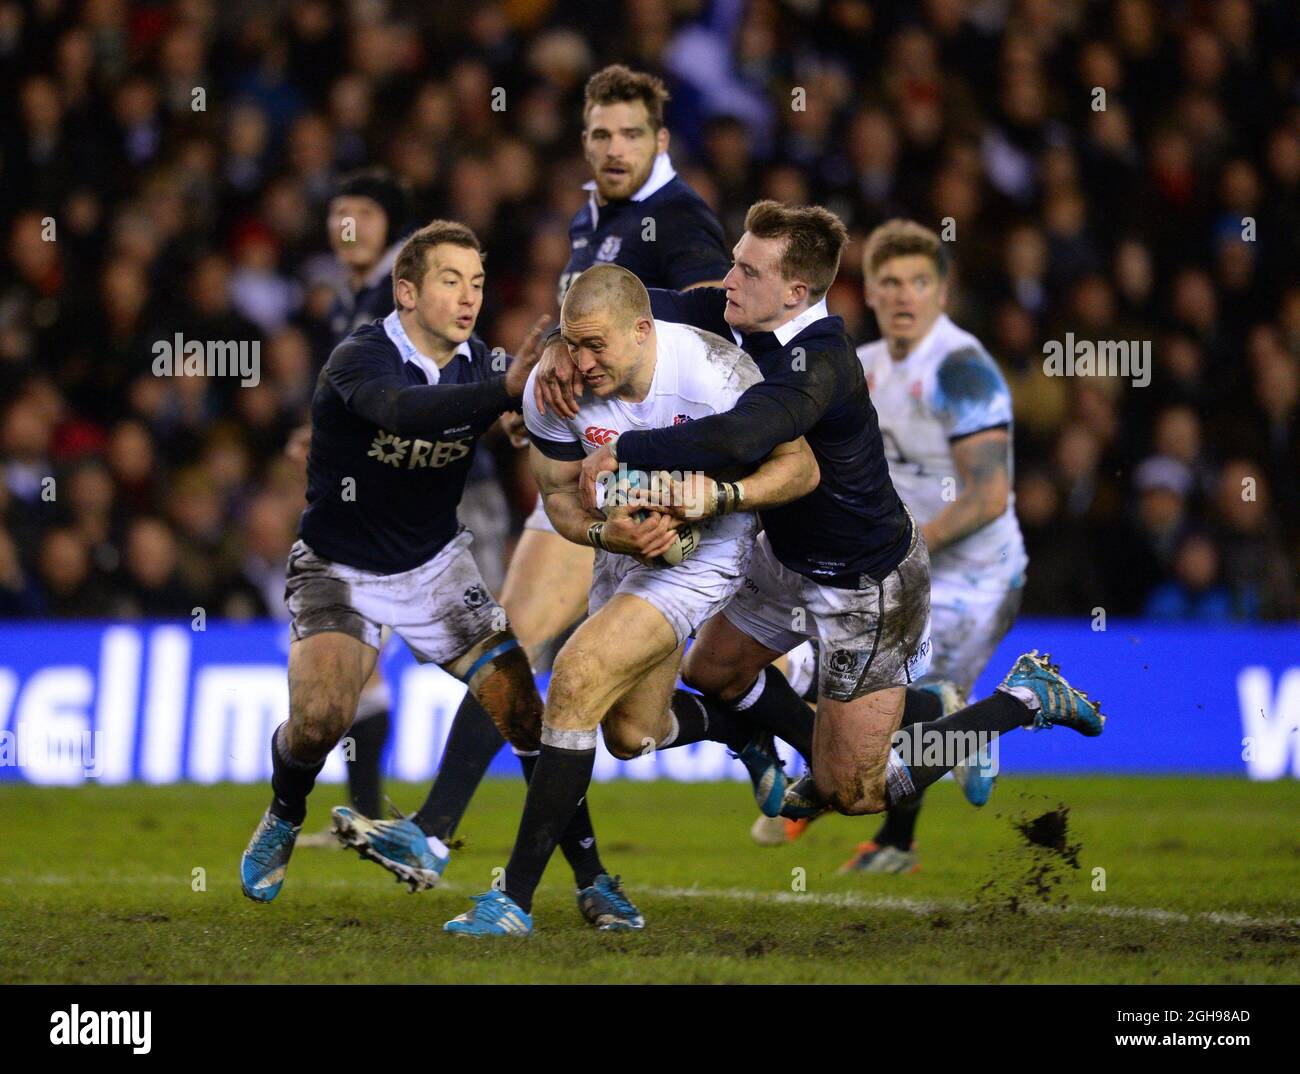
417 454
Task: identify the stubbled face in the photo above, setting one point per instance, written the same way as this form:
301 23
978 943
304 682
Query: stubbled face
450 297
609 355
907 296
367 226
758 296
620 147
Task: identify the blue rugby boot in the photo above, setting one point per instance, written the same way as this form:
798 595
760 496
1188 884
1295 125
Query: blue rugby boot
494 914
262 867
1058 703
398 845
976 776
766 772
605 905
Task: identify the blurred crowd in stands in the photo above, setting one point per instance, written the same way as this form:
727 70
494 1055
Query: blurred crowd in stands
1124 170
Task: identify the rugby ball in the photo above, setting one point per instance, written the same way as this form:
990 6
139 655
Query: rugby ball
611 497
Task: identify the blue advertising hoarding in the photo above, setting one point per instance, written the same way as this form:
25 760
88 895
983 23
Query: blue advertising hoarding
162 703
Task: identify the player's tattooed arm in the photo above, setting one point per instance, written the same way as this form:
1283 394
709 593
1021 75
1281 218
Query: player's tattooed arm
557 479
983 463
789 473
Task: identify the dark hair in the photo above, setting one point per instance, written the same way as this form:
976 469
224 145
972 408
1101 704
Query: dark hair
904 238
381 187
815 239
617 83
412 264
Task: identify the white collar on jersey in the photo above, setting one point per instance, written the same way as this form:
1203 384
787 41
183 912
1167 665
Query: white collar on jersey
786 332
661 174
393 326
792 327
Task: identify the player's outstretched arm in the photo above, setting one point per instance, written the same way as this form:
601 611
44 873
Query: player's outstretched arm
982 461
779 409
701 305
385 399
558 481
789 473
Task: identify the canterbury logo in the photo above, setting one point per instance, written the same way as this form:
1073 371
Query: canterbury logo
593 434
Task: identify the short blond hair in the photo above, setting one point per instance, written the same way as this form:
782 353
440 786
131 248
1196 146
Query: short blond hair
903 238
609 289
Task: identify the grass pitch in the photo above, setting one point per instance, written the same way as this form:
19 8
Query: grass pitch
1200 885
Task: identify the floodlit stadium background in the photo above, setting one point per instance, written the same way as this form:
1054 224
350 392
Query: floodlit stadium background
1124 171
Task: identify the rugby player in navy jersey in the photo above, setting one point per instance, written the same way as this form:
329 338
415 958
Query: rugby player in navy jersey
396 412
846 563
366 226
642 216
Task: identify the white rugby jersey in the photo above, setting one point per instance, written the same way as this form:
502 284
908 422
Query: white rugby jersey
697 374
947 388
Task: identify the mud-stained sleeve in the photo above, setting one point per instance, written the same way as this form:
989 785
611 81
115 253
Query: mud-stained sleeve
971 394
783 407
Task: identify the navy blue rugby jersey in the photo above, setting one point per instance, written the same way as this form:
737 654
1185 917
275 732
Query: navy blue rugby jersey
351 309
664 234
852 527
404 431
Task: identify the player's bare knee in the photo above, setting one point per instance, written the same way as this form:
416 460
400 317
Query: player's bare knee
575 677
625 741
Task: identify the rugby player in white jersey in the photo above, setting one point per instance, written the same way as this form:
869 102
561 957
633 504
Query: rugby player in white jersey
945 417
618 671
847 562
625 144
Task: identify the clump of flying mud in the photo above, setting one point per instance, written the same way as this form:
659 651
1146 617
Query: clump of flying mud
1032 873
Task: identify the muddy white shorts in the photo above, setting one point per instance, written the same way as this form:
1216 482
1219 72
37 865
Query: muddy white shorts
869 638
689 593
440 608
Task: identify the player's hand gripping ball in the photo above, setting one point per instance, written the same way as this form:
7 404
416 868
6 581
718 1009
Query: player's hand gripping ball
612 500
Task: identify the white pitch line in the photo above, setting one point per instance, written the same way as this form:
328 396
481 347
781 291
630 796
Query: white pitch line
922 907
843 900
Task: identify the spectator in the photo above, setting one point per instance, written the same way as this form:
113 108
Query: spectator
1170 215
1195 594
